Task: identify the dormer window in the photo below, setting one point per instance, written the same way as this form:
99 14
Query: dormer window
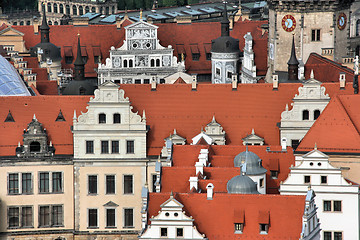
117 118
239 227
102 118
34 147
264 228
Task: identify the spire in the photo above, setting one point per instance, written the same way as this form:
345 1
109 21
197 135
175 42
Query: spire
34 117
312 74
213 119
293 63
79 64
225 23
44 28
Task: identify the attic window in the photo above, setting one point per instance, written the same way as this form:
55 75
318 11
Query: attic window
239 227
264 220
264 228
60 117
207 47
274 168
34 147
238 221
9 118
195 52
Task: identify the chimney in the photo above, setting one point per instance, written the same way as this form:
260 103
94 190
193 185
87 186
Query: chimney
234 82
193 83
193 183
36 25
342 80
275 82
153 84
199 168
210 191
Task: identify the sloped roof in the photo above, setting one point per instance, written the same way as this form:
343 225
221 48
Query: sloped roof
342 116
285 212
326 70
46 109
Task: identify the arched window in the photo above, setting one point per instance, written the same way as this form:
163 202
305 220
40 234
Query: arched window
49 22
49 7
28 23
93 9
101 10
87 9
56 23
358 27
14 23
152 63
305 115
102 118
61 8
34 147
74 10
22 23
117 118
107 10
68 9
125 63
158 62
316 114
130 63
113 10
55 8
81 10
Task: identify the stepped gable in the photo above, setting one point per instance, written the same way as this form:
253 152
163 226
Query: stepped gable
46 109
326 70
342 116
285 212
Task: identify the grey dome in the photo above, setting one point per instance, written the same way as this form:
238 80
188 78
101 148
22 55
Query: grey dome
253 163
241 184
225 44
85 87
49 51
11 83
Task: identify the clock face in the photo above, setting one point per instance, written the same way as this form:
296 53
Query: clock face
341 21
288 23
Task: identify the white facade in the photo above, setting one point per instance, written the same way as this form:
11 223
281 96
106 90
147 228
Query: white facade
224 66
140 59
248 68
216 132
338 200
171 223
306 108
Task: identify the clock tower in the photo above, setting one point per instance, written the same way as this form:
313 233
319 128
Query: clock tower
317 26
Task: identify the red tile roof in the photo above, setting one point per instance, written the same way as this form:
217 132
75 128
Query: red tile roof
342 116
326 70
46 109
215 218
32 62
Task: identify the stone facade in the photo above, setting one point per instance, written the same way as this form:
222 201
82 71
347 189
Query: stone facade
248 68
316 29
140 59
224 66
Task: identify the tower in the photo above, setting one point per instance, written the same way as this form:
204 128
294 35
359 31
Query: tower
44 29
225 54
293 63
79 65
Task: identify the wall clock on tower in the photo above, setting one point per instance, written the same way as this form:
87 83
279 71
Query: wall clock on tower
341 21
288 23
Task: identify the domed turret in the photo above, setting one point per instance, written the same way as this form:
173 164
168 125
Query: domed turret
241 184
253 163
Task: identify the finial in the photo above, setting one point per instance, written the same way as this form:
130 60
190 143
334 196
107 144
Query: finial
144 116
202 129
315 148
312 74
286 107
74 118
140 14
213 119
174 131
171 194
19 144
78 34
34 117
50 144
182 57
159 160
252 132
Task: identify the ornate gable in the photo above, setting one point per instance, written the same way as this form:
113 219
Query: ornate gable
216 132
253 139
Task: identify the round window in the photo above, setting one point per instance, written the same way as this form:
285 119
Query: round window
167 214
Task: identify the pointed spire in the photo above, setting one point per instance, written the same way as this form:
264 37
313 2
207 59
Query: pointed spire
140 17
34 117
175 131
79 64
44 28
312 74
213 119
293 59
315 148
253 131
293 63
225 23
19 144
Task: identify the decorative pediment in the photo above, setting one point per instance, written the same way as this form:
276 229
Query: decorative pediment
171 203
202 138
216 132
109 92
253 139
176 138
312 89
141 25
9 31
315 154
110 204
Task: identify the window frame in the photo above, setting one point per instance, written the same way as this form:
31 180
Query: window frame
238 228
130 149
325 202
125 219
89 145
106 184
40 181
263 228
61 183
40 225
52 215
88 184
316 35
182 234
22 218
104 144
323 180
115 148
336 209
132 184
18 184
102 118
88 218
106 217
18 217
117 117
31 184
307 180
165 233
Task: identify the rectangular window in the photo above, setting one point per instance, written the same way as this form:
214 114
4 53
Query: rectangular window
295 143
110 217
57 182
92 184
13 183
306 179
26 186
261 182
128 218
229 74
337 206
337 235
137 81
13 217
179 232
274 174
128 184
110 184
93 218
208 56
114 146
327 206
44 216
327 235
163 232
104 146
89 147
315 35
323 179
264 228
217 71
44 182
195 56
26 217
130 146
57 215
146 81
154 177
239 227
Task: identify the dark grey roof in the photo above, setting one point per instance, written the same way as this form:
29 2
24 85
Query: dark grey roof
49 50
241 184
252 161
85 87
225 44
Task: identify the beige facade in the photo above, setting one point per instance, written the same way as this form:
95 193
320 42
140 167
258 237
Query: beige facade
12 40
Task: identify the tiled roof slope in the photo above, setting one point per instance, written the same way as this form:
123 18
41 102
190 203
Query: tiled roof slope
337 128
46 109
326 70
251 106
225 209
176 178
92 37
183 36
